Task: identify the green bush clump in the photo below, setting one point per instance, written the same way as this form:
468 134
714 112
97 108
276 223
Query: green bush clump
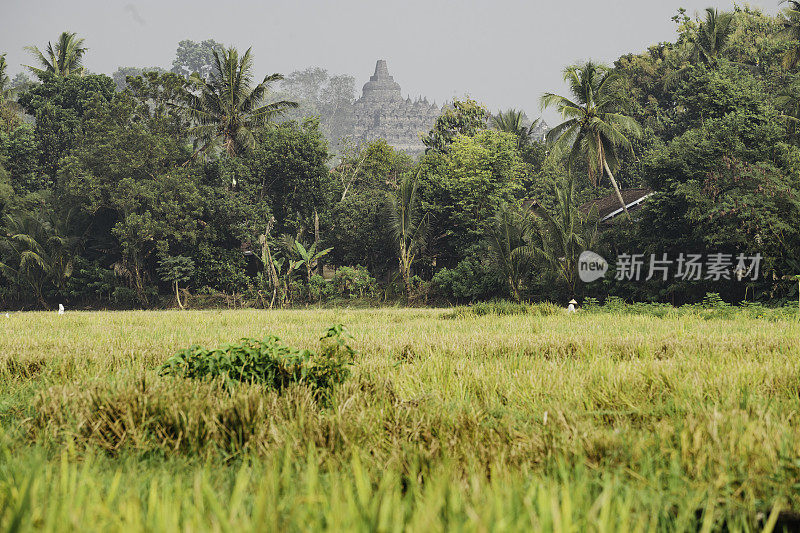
319 289
269 362
470 280
711 307
353 282
499 308
502 308
654 309
546 309
590 304
615 304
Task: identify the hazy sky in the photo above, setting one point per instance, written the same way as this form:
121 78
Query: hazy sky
503 53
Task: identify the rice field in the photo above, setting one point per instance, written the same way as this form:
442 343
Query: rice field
448 422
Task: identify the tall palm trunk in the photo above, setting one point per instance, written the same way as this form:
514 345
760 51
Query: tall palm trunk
594 125
616 190
178 296
515 292
405 269
37 289
613 180
320 265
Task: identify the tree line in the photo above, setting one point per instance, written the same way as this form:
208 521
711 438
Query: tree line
208 184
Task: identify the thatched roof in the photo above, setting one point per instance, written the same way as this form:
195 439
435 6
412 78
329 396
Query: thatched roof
608 207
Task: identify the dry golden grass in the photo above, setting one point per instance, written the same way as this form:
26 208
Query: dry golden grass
593 421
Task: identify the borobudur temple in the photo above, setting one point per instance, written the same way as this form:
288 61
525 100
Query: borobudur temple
383 113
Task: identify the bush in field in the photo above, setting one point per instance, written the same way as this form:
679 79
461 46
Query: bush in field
499 308
469 280
711 307
353 282
269 362
504 308
545 309
319 289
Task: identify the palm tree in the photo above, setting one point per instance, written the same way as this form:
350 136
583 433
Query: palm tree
713 36
37 252
226 108
707 46
791 28
409 226
9 109
5 81
508 250
594 126
63 59
512 121
558 238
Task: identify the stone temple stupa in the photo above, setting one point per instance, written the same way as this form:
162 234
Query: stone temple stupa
383 113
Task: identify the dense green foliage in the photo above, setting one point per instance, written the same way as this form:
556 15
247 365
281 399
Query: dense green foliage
206 163
269 362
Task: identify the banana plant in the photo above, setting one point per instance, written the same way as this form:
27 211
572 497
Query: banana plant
291 267
310 257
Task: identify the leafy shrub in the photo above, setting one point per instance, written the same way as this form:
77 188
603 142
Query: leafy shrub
755 308
127 297
494 308
89 281
651 309
499 308
590 304
615 303
760 311
269 362
711 307
470 280
353 282
545 309
319 289
712 300
220 269
504 308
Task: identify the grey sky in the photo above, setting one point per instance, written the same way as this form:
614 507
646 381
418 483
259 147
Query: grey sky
503 53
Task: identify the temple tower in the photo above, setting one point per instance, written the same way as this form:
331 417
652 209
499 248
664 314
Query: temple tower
383 113
381 87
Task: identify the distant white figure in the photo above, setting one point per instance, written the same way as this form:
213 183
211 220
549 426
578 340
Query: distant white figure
8 316
60 309
571 307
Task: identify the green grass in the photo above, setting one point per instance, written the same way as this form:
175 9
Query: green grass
537 421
